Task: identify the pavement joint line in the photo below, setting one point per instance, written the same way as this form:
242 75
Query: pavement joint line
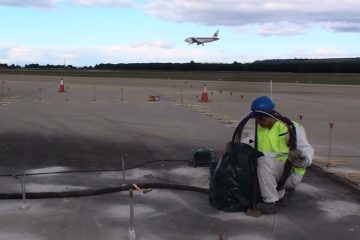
216 114
196 108
226 116
332 163
230 125
188 105
230 121
202 111
197 105
221 118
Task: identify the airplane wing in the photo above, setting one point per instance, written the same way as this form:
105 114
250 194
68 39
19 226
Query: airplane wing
198 41
192 40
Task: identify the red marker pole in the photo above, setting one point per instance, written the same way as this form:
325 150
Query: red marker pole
301 118
331 125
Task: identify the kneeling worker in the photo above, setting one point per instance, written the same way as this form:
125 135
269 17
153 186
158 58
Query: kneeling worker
273 141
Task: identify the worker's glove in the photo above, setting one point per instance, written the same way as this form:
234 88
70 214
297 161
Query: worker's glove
297 159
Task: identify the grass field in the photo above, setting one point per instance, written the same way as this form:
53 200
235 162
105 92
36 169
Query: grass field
318 78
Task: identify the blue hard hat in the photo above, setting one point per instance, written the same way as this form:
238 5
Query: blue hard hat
262 104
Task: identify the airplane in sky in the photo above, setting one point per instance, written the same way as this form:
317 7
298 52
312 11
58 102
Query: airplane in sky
202 40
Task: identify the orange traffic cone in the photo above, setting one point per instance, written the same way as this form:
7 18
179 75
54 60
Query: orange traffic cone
204 95
61 86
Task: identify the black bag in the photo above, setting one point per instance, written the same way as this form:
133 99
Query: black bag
232 179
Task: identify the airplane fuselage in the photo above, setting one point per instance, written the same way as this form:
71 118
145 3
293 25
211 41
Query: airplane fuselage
202 40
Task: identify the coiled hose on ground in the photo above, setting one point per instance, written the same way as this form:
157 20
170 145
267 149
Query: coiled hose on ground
93 192
99 191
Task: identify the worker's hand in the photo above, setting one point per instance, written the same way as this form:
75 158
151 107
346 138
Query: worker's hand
297 159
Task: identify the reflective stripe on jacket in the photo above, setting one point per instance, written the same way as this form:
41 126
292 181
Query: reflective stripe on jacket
274 142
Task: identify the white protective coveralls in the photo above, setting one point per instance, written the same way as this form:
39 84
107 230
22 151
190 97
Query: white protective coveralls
270 169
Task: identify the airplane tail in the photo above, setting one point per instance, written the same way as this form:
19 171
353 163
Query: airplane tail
216 34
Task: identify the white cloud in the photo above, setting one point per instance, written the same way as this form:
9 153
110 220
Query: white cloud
113 3
53 3
25 54
328 52
144 52
29 3
280 28
320 52
153 44
300 13
156 51
278 6
138 52
334 15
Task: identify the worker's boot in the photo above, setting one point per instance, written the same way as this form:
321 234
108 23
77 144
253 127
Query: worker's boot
267 208
284 200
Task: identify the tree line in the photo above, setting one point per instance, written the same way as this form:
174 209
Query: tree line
334 65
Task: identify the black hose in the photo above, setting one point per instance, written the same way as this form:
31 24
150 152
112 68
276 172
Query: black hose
93 192
99 191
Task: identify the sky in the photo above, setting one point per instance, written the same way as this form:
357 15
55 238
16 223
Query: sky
89 32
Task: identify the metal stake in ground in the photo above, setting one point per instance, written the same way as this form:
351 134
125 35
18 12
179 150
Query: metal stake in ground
94 95
330 140
175 93
40 94
191 98
23 190
2 88
132 234
67 94
181 96
123 169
